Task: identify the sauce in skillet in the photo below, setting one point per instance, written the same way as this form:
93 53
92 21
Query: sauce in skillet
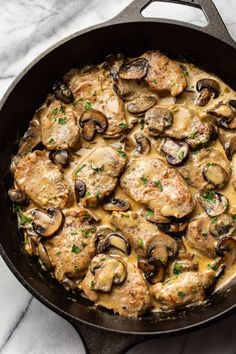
125 183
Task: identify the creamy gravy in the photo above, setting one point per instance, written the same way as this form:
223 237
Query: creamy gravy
188 99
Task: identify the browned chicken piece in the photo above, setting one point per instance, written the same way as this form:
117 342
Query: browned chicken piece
150 181
197 169
72 249
233 179
184 289
93 89
164 75
199 238
144 236
59 127
131 298
99 172
41 180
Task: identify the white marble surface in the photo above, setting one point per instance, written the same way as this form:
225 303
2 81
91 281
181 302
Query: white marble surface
28 27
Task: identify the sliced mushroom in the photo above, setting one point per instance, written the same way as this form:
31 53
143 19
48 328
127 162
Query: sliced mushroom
223 225
201 134
228 141
62 92
124 88
213 203
117 242
143 145
162 247
215 175
232 104
115 204
134 70
80 189
204 97
43 255
153 269
157 119
47 223
174 227
141 104
213 88
107 270
226 248
17 196
224 115
92 121
176 152
59 157
32 137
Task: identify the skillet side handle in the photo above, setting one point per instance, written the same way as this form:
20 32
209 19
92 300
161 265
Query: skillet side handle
215 26
98 341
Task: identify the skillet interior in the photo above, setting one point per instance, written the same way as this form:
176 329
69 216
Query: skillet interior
23 99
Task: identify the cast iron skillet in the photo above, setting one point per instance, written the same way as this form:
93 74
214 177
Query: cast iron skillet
210 47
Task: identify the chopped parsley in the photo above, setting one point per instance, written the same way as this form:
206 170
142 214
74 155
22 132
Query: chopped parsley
73 233
55 111
62 120
209 196
177 269
85 233
23 220
234 217
142 123
123 126
86 216
98 195
122 154
181 155
181 295
15 207
76 268
75 249
214 221
209 164
212 267
87 194
125 214
140 243
51 141
159 185
192 135
93 229
58 253
98 169
102 259
88 105
79 169
144 179
149 213
154 81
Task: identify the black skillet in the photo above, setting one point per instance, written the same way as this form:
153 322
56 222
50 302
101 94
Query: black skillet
210 47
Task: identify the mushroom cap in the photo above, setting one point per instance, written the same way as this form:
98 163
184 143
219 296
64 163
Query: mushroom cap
176 151
223 225
157 119
47 223
141 104
213 203
62 92
215 175
226 247
59 157
154 270
115 241
134 70
210 84
143 145
116 204
107 270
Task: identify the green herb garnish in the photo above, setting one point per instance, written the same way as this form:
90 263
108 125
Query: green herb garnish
62 120
123 126
214 221
212 267
209 196
102 259
234 217
122 154
87 194
85 233
159 185
149 213
140 243
142 123
86 216
79 169
71 299
192 135
88 105
125 214
75 249
181 295
144 179
23 220
181 155
98 169
177 269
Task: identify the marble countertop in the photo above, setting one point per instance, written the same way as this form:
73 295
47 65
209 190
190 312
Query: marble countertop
28 27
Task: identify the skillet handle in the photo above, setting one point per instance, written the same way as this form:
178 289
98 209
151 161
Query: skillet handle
215 26
98 341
